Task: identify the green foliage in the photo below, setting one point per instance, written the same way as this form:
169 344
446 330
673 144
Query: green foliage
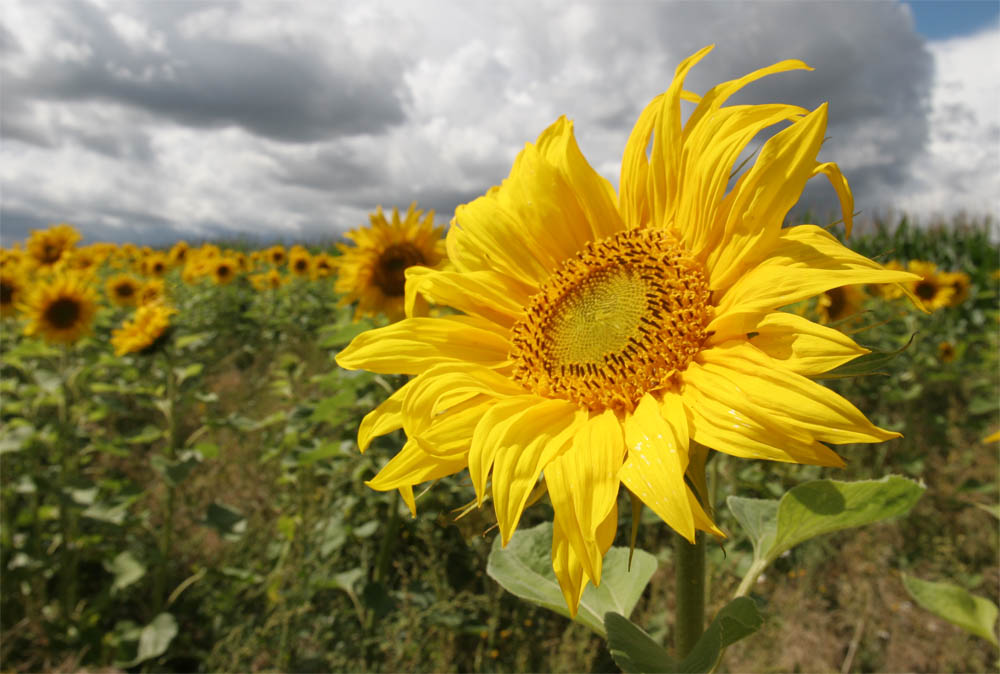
957 605
524 568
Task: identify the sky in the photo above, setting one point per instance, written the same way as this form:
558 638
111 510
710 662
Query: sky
155 121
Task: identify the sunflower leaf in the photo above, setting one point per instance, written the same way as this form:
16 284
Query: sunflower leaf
633 650
524 568
976 615
737 619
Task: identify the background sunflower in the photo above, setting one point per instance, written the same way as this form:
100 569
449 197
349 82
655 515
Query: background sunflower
61 309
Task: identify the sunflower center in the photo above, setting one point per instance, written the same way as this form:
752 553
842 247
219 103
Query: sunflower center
6 293
616 321
390 269
63 313
838 303
926 290
51 253
124 290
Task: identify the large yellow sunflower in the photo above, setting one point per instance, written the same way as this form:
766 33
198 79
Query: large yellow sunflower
60 309
148 325
601 335
372 271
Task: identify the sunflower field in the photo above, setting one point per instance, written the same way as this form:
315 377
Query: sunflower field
183 491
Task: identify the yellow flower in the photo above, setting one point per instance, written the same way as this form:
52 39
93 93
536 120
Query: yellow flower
932 290
372 271
11 289
959 283
148 325
270 280
61 309
156 264
178 253
224 270
123 290
46 247
300 262
276 255
603 337
946 352
152 290
324 265
837 304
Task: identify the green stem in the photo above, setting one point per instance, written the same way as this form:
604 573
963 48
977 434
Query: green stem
167 532
690 584
68 466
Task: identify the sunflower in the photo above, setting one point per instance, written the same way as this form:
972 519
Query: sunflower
946 352
603 338
224 270
156 264
144 331
931 289
270 280
959 283
152 290
300 262
836 304
11 290
178 253
60 309
324 265
372 270
46 247
276 255
123 290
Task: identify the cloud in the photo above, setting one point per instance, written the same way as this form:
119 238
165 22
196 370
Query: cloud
287 121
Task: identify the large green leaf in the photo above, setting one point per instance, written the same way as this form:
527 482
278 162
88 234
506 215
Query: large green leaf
973 614
524 568
820 507
635 651
155 638
126 570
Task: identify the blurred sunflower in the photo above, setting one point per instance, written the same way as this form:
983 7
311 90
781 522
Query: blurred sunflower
270 280
372 271
147 328
60 309
837 304
46 247
607 337
11 289
156 264
959 283
932 291
152 290
178 253
276 255
324 265
300 262
946 352
224 270
123 290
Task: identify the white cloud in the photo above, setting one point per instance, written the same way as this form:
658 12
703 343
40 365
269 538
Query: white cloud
287 120
960 168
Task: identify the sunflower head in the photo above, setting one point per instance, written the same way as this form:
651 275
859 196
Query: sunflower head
153 290
324 265
178 253
300 262
372 268
224 270
946 352
959 282
276 255
931 289
269 280
145 332
837 304
61 309
156 264
601 340
123 290
47 247
11 289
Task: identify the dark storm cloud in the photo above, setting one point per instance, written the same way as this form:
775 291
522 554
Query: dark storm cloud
327 170
288 94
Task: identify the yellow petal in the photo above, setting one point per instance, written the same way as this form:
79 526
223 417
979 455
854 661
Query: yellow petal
540 434
449 435
411 466
839 182
648 183
489 295
488 434
657 458
802 346
793 401
414 345
568 567
764 196
583 486
722 418
385 418
805 262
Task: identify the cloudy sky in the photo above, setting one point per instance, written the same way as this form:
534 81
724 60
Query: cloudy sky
152 121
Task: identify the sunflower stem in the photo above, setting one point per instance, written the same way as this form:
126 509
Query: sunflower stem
690 588
167 532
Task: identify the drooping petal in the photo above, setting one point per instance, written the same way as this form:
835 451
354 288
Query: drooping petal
723 418
385 418
583 486
568 567
802 346
414 345
449 435
764 196
540 434
486 294
791 400
805 262
657 445
411 466
487 437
